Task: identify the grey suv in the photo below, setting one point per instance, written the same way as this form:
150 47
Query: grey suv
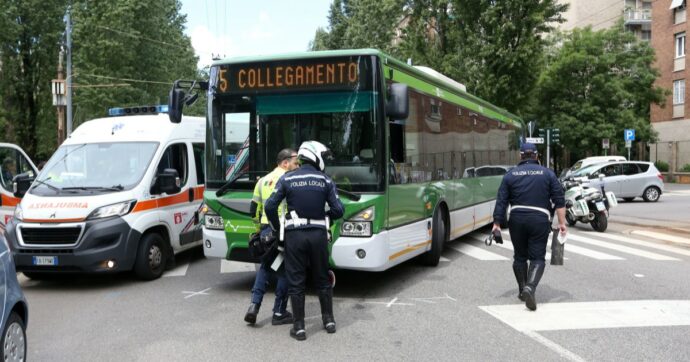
627 179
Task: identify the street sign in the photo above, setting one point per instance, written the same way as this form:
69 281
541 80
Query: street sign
629 135
628 144
605 143
530 127
535 140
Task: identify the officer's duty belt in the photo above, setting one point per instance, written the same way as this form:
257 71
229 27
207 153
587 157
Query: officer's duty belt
300 221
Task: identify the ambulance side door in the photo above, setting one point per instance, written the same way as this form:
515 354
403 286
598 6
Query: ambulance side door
12 162
192 232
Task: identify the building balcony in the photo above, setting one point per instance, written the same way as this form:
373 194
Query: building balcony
637 17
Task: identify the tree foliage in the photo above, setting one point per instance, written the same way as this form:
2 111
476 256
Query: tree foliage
122 58
596 84
360 24
124 53
29 47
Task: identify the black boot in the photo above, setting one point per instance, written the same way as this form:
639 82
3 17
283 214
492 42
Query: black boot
252 312
297 332
326 300
533 276
520 271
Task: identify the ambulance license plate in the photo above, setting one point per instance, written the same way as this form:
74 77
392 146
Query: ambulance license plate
600 206
45 260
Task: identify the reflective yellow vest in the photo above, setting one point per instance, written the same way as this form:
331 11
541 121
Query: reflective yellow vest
263 190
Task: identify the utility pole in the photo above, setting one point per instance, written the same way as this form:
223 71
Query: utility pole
548 148
68 55
58 90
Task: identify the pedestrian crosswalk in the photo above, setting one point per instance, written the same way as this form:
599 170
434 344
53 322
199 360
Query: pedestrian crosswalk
598 246
608 246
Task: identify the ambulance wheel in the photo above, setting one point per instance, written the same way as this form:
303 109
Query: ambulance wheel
13 341
438 235
151 257
569 219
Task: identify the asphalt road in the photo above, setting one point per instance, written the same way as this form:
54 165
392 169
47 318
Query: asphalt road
621 295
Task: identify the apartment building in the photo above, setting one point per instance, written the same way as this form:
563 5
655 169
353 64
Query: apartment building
603 14
672 122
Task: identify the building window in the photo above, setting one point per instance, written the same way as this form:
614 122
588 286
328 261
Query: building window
646 35
679 91
680 45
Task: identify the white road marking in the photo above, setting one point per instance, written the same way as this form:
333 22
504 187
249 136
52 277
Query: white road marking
193 294
444 259
649 244
391 303
178 271
475 252
228 266
507 244
561 351
661 236
639 275
594 315
621 248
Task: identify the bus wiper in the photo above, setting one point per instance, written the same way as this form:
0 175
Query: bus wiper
350 195
43 182
223 189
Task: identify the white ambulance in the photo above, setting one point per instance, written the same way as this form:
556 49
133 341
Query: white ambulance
121 193
13 161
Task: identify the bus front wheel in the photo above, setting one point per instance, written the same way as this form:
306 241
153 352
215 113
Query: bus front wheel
438 235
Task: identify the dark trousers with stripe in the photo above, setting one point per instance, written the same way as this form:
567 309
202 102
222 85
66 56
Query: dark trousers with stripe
529 232
306 250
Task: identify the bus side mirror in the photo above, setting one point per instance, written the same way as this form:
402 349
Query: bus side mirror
398 105
175 104
21 184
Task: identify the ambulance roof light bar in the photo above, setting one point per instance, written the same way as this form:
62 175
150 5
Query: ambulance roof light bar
129 111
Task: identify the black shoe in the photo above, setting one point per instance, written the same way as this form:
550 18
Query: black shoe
329 324
530 300
285 318
297 331
252 312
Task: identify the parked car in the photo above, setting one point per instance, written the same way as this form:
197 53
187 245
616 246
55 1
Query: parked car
15 311
587 162
627 179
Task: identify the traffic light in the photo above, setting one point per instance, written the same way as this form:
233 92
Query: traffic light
542 133
555 135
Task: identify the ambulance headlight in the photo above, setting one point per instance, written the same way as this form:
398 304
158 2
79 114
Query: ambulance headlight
18 212
213 221
119 209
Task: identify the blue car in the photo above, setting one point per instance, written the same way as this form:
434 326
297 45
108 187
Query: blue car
15 311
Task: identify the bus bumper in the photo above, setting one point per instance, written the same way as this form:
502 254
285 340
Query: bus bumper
376 249
215 244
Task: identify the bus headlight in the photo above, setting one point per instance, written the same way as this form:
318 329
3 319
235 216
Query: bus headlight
356 228
359 224
213 221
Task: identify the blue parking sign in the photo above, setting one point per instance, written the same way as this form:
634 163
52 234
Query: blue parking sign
629 134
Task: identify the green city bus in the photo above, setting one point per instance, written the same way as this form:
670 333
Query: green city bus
417 160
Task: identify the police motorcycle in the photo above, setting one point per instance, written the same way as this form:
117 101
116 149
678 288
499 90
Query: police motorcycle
587 204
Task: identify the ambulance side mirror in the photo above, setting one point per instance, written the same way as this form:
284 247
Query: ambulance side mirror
21 184
167 182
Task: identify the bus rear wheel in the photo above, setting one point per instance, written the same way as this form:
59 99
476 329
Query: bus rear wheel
438 236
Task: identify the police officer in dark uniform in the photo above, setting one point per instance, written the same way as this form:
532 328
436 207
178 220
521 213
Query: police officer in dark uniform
307 190
530 190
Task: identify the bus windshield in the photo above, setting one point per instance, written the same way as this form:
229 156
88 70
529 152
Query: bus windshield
95 167
344 122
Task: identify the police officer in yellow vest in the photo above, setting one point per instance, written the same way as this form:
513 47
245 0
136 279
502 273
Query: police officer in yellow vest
287 161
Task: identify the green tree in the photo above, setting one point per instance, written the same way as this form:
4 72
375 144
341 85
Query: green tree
360 24
29 47
597 84
494 47
122 58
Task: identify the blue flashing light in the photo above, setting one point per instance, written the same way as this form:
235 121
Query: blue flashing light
129 111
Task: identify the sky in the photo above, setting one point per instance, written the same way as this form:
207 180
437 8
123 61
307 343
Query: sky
236 28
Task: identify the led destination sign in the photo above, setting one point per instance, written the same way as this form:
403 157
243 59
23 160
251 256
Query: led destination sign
326 73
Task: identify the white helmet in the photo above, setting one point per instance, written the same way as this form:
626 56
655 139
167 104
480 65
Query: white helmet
315 152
